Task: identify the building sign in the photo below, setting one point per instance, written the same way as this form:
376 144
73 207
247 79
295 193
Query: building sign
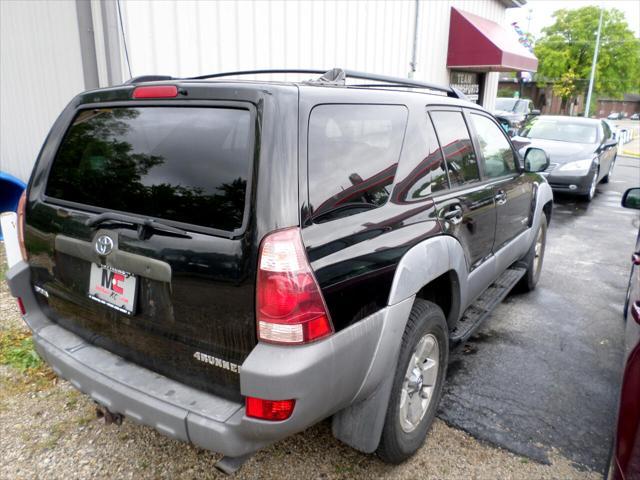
468 83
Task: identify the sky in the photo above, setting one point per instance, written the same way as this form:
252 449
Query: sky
541 11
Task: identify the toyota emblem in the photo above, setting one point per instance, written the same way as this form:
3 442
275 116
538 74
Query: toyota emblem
104 245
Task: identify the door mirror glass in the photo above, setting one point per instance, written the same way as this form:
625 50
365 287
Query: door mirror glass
631 198
534 112
536 160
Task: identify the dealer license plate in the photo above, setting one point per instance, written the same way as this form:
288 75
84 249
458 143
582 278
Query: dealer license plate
112 287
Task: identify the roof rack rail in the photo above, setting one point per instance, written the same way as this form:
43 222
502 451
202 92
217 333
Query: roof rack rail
148 78
337 76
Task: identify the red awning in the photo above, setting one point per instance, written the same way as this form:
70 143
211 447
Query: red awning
478 44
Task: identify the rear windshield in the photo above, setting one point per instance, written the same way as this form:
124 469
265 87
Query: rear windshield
184 164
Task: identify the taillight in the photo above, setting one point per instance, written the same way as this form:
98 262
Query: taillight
273 410
156 91
289 305
20 214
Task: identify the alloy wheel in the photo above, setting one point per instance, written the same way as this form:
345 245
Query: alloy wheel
419 383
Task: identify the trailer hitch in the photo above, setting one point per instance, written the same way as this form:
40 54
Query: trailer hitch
109 416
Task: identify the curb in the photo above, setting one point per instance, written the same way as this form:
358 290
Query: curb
630 154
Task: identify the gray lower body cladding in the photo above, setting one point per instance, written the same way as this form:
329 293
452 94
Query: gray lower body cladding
323 378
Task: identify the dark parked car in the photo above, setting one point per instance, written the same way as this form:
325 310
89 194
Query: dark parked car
513 112
625 464
582 151
233 261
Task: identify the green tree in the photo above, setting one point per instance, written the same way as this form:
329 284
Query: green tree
565 53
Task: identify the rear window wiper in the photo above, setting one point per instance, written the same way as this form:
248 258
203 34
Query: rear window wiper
145 225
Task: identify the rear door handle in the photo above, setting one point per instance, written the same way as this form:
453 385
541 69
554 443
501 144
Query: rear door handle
501 197
635 258
453 214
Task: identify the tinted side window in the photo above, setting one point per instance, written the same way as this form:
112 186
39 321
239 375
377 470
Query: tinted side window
353 156
457 147
495 148
183 164
607 130
429 176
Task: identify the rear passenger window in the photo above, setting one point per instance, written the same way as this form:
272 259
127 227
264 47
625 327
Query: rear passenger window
456 147
353 156
429 176
496 151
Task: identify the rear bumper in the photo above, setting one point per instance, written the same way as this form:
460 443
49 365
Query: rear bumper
323 377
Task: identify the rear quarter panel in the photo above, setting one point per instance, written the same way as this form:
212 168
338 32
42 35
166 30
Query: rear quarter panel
355 258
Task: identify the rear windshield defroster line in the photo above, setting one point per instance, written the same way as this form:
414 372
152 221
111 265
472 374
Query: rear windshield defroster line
184 164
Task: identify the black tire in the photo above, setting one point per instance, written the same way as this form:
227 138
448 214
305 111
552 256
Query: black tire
587 197
530 279
396 445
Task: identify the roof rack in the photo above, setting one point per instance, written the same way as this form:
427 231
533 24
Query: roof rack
337 76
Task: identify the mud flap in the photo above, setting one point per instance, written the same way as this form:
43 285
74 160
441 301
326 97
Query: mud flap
360 425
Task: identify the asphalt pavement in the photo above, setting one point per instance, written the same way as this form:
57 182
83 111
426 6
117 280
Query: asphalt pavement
543 373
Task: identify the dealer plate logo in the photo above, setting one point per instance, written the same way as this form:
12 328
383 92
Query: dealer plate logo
104 245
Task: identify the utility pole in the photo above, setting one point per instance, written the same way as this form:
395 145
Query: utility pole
593 67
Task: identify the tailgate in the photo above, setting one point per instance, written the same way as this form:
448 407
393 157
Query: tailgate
139 243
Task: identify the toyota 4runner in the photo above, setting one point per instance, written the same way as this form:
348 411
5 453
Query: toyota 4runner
233 261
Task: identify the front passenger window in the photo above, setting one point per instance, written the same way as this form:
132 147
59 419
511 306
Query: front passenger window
457 148
496 151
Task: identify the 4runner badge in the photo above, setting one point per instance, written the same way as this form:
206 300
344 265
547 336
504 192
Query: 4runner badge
216 362
104 245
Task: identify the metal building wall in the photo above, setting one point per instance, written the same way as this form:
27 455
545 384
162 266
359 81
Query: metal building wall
40 71
186 38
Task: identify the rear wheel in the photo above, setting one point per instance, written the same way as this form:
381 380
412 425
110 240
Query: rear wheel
418 383
534 257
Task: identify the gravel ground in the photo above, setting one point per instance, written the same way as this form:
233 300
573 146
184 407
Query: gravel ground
49 430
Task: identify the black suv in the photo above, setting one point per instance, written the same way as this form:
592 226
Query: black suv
233 261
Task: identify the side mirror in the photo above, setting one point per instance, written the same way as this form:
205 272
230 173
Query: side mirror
631 198
609 142
534 112
535 160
